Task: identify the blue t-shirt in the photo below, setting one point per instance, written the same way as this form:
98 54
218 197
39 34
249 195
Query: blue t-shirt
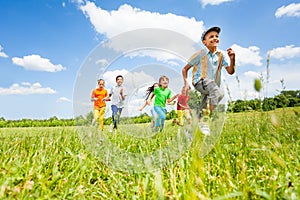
212 64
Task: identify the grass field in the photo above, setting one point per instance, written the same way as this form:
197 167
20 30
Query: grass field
256 157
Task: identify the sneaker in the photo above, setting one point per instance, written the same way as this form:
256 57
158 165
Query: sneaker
110 128
204 127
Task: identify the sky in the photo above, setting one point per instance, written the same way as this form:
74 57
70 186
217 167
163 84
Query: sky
53 51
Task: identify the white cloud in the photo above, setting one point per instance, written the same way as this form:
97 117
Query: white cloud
160 55
2 54
102 63
25 89
127 18
252 74
63 99
288 72
291 10
213 2
286 52
248 55
110 77
37 63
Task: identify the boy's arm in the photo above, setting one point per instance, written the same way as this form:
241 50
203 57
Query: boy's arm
231 68
122 94
182 106
107 97
185 76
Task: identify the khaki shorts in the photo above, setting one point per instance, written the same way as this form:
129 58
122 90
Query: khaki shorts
209 90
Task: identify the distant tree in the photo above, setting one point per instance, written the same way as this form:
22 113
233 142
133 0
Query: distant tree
291 93
239 106
90 117
281 101
268 104
254 104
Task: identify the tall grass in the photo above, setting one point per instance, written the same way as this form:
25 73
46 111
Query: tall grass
256 157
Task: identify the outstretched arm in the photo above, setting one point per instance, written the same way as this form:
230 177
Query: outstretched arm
231 68
143 106
172 98
185 76
107 98
149 98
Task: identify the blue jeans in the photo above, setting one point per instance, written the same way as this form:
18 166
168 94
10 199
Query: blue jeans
160 121
116 112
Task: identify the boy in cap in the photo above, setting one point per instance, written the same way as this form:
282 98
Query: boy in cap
207 64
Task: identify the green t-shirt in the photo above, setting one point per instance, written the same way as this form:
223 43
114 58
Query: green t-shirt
161 96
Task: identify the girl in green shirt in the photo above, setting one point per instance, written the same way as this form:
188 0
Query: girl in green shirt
162 97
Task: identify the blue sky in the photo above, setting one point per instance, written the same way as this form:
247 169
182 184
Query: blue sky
46 47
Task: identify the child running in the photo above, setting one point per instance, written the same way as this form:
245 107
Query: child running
117 94
98 97
149 91
207 64
162 96
183 109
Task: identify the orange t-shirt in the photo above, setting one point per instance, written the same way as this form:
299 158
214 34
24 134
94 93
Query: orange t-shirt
100 94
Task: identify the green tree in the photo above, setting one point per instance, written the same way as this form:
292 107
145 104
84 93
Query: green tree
281 101
268 104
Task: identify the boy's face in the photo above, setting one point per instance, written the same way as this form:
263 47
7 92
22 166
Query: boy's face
119 81
211 39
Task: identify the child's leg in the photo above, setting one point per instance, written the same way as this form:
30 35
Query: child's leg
101 117
96 116
114 110
119 114
215 95
160 122
153 117
180 117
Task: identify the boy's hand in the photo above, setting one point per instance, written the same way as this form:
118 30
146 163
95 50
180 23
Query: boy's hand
106 99
231 53
185 89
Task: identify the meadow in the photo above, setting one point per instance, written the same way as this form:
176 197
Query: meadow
256 157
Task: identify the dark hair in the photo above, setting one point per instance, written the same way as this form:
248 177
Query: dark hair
119 76
150 90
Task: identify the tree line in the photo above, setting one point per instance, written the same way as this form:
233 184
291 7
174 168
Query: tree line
286 98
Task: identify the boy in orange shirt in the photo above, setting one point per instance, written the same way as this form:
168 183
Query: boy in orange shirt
97 97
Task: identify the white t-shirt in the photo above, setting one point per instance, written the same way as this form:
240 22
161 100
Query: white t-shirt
116 98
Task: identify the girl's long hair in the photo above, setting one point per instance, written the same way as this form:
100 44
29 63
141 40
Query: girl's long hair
150 90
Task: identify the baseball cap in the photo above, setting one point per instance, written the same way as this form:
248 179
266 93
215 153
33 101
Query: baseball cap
215 28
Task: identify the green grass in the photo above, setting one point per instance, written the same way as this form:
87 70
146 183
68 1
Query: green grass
256 157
